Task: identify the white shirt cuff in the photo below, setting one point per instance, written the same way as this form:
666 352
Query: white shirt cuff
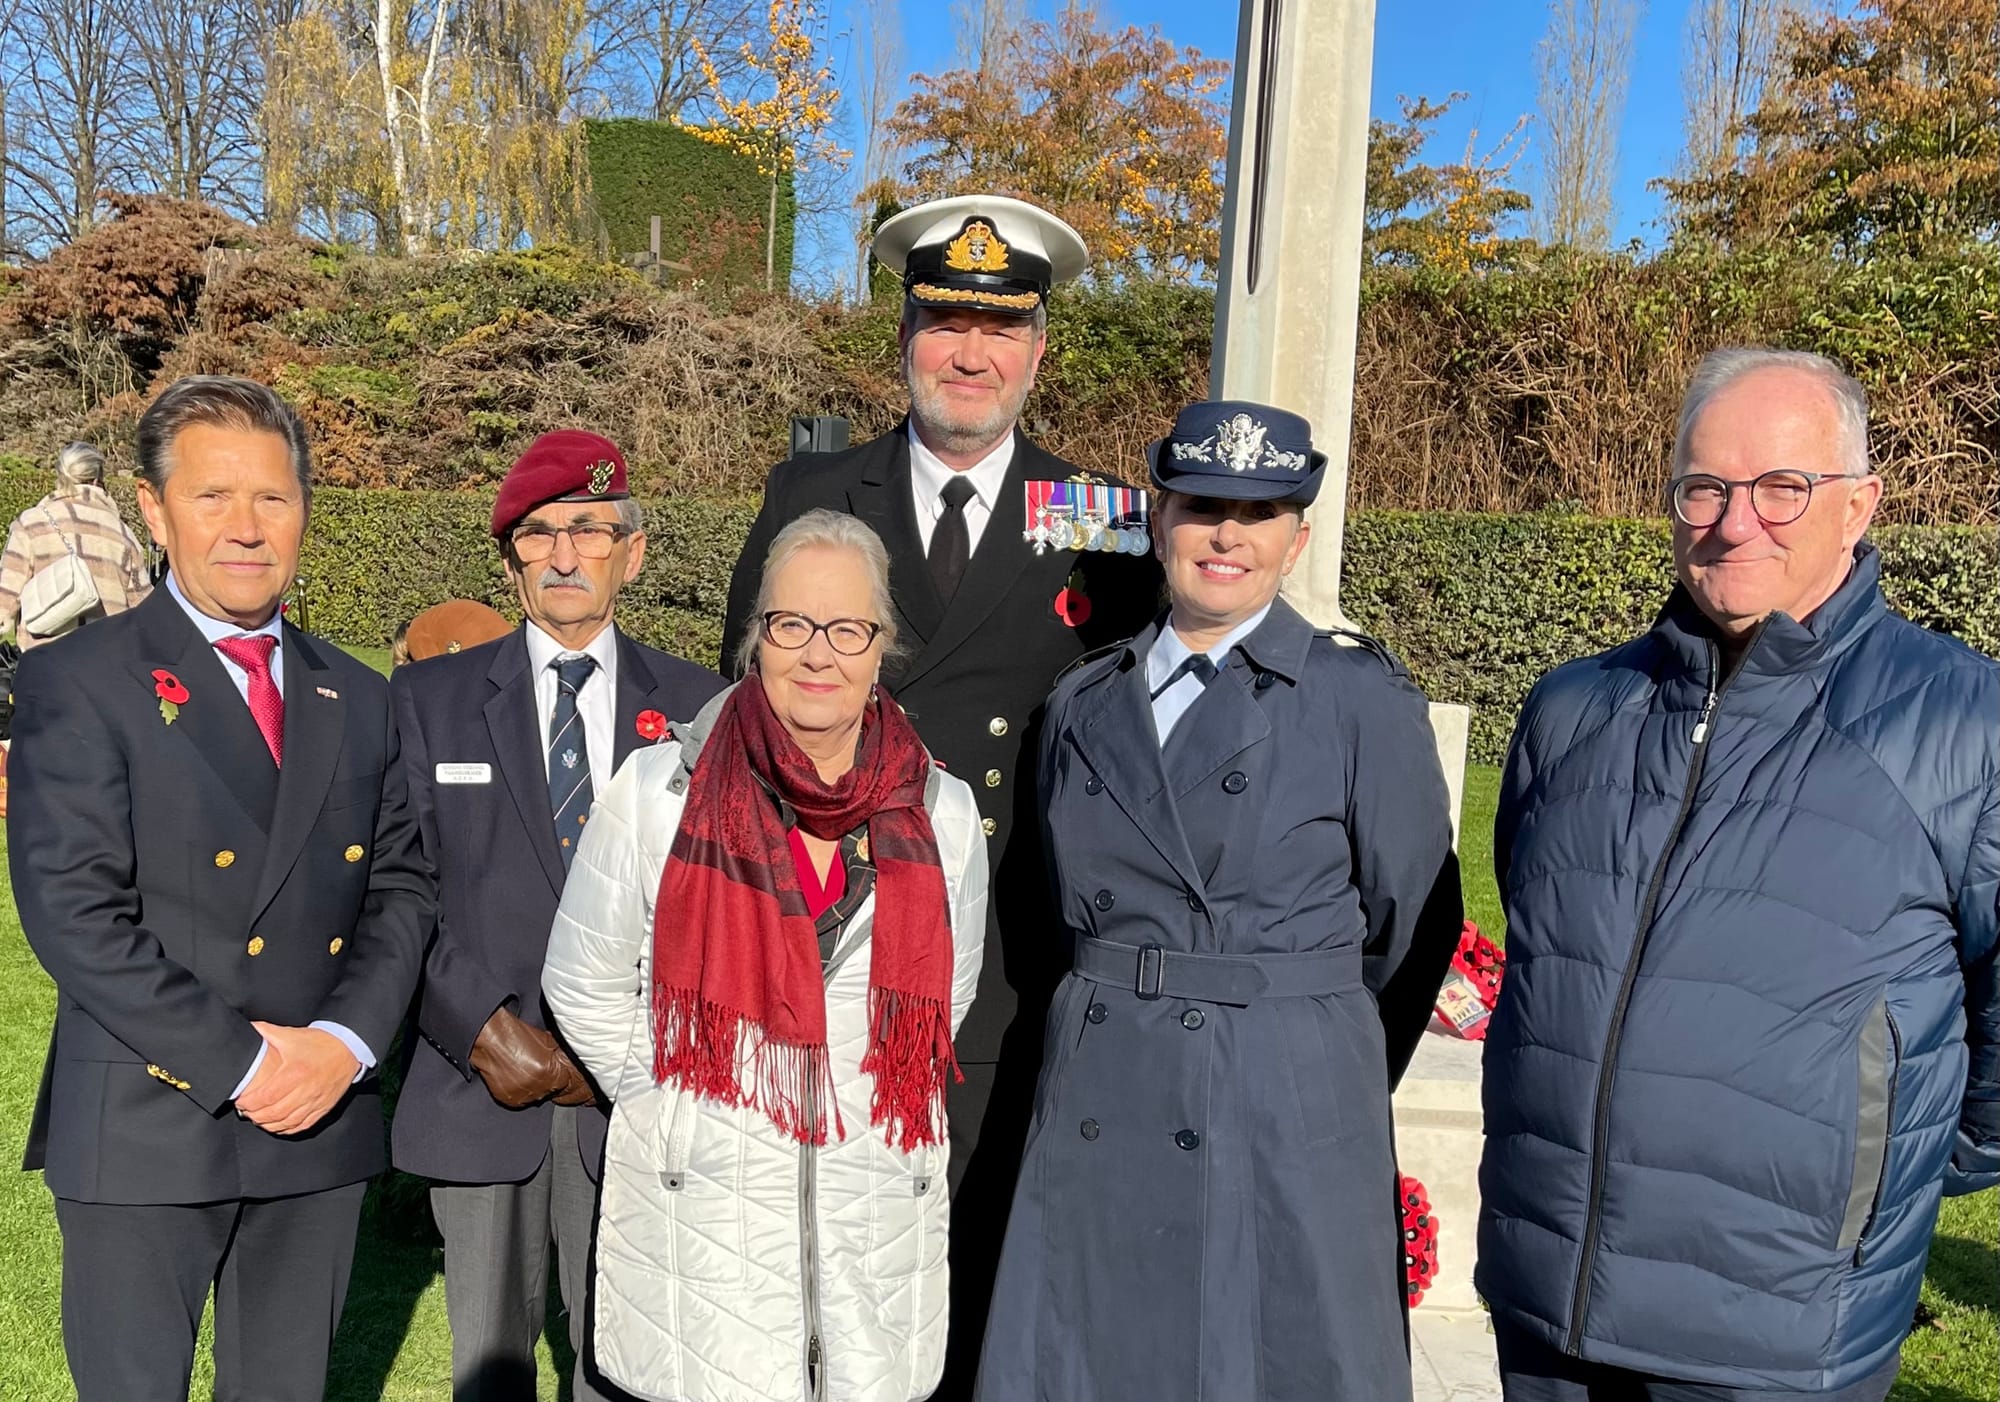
347 1039
251 1075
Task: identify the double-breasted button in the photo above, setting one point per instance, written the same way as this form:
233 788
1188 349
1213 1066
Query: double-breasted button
988 826
256 946
1089 1129
997 726
1096 1012
1192 1019
1104 900
336 945
355 853
1236 781
1194 903
1188 1139
225 858
992 778
1093 786
1266 680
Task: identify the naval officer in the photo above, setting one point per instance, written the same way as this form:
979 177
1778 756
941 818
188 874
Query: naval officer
990 619
1248 830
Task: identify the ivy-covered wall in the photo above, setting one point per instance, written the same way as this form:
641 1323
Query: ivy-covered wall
712 202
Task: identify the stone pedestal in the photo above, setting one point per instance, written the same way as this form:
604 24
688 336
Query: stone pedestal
1438 1139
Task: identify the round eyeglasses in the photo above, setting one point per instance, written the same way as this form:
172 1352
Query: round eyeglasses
592 540
850 637
1779 497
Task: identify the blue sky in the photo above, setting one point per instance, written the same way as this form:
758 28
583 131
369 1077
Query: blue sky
1484 48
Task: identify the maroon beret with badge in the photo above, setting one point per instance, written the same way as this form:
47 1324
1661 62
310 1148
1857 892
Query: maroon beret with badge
567 465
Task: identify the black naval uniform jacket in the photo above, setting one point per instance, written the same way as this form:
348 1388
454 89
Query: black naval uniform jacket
973 676
176 884
473 746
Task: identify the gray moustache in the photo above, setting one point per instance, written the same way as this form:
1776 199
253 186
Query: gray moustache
575 579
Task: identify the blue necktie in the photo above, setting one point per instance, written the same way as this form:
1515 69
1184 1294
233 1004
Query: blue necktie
569 756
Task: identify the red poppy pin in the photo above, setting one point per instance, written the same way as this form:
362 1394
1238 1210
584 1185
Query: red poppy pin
1073 607
172 694
651 725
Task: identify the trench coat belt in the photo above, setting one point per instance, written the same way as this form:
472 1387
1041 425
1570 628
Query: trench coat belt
1238 979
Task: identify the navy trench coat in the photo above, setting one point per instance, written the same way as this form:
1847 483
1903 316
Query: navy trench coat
1262 915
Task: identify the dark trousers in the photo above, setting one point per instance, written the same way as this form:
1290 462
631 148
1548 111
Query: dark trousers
135 1279
989 1113
1531 1371
496 1272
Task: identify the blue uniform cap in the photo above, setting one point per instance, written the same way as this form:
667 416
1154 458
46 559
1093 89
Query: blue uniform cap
1239 450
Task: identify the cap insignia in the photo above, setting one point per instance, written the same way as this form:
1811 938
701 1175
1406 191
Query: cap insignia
977 250
601 473
1238 441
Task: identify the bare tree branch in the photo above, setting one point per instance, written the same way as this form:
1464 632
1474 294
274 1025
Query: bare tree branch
1585 64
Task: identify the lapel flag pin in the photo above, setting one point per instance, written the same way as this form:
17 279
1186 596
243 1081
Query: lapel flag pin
328 692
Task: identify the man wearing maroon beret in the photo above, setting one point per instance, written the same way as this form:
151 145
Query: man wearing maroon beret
505 744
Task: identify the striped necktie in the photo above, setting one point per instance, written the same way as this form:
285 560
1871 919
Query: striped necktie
569 756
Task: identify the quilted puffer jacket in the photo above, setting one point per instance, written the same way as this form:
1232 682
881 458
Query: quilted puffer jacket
1751 1021
726 1252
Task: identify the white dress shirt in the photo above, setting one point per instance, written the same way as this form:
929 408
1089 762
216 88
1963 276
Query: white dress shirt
596 699
929 473
1168 653
215 630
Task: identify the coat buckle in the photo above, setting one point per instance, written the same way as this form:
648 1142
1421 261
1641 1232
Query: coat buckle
1152 967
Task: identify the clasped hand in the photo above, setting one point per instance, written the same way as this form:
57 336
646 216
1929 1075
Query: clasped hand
304 1074
524 1065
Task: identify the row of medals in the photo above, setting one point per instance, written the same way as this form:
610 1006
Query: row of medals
1060 530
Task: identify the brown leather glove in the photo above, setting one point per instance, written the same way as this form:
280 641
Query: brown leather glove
524 1065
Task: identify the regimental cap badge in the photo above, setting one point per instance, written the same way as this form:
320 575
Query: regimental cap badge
1238 450
976 250
601 473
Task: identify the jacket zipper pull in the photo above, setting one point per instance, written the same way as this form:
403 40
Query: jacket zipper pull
813 1380
1707 710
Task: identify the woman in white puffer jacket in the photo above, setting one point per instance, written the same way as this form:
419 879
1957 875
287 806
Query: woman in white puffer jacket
771 930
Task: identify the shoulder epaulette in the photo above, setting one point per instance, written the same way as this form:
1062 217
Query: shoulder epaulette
1354 637
1093 655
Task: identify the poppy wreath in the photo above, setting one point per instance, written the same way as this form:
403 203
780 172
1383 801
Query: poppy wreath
651 725
1420 1241
1481 961
172 694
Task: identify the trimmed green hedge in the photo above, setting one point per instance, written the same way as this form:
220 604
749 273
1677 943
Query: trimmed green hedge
1479 606
702 193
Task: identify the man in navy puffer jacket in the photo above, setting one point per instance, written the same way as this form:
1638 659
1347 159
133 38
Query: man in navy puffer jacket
1750 1029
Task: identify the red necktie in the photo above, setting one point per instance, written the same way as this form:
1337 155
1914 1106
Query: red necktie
267 706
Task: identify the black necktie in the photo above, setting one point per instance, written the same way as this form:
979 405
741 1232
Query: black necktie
951 543
1197 663
569 757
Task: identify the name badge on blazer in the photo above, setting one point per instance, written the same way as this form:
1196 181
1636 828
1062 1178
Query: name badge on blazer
465 773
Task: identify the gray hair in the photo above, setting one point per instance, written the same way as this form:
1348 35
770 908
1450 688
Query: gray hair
218 401
834 530
78 465
1721 368
631 515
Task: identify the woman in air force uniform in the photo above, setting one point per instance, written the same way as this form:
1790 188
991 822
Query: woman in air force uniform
1249 835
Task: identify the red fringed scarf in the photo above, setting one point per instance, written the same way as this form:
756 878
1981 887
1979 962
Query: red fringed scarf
737 986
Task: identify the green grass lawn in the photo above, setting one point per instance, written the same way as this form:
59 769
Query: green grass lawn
393 1344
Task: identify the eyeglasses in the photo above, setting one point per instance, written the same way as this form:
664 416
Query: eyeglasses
592 540
1778 497
850 637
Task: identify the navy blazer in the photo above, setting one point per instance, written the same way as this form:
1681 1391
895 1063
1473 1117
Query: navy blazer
176 885
492 843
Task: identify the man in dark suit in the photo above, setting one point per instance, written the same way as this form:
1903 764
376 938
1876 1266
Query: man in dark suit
992 618
214 859
503 747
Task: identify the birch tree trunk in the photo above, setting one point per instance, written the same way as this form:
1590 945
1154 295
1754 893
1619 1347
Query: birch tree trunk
392 122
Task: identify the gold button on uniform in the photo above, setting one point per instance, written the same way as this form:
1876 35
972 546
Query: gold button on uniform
225 858
256 945
998 725
992 778
988 826
334 948
355 853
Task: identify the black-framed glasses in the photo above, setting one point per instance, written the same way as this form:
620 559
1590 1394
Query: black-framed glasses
850 637
1779 497
592 540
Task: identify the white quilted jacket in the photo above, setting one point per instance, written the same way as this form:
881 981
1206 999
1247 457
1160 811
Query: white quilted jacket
723 1247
